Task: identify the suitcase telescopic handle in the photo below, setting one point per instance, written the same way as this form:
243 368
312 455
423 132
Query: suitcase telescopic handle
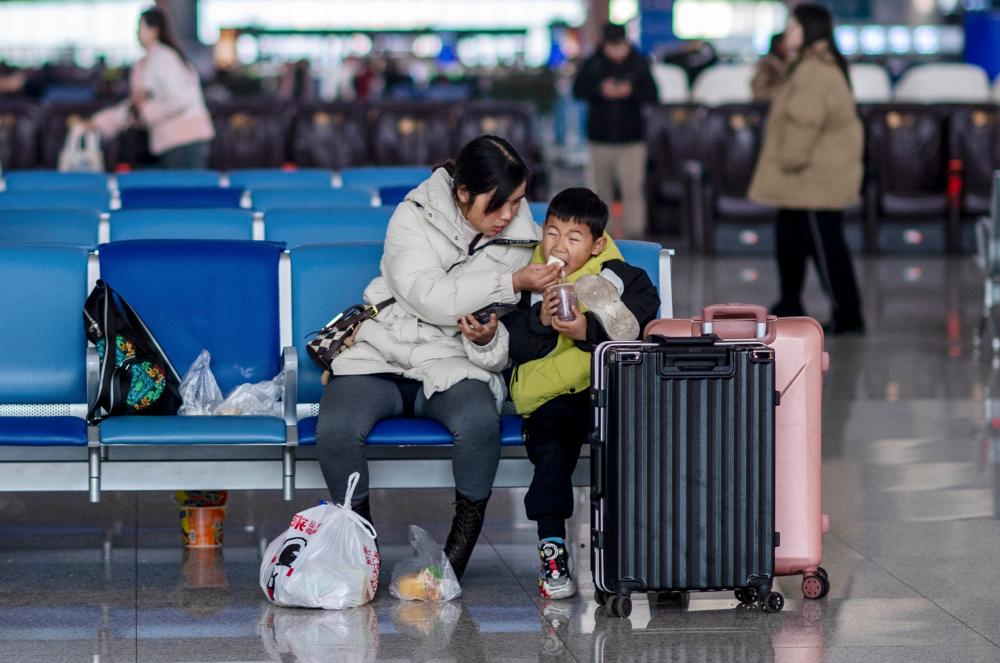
755 311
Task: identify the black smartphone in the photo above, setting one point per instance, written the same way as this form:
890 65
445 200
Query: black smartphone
482 316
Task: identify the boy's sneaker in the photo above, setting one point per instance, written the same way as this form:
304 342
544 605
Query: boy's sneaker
554 580
601 298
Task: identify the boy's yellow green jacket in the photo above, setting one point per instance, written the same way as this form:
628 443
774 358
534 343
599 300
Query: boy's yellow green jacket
566 369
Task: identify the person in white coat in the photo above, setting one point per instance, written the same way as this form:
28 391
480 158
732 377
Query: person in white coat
165 97
461 240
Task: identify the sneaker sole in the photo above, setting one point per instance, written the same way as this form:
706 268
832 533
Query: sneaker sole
558 594
601 298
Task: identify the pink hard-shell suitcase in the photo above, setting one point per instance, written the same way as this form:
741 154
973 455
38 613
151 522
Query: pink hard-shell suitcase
800 363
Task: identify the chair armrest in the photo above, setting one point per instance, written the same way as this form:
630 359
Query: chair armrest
290 398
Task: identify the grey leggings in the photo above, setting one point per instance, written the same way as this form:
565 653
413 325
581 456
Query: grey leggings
353 404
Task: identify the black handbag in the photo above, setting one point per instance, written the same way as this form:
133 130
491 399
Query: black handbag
135 377
338 334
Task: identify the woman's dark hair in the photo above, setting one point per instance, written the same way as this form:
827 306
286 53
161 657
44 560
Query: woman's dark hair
817 25
488 163
155 17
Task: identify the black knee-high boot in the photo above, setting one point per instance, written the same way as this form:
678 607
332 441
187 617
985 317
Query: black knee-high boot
465 529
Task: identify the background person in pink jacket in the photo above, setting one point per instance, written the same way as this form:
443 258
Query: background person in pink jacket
165 96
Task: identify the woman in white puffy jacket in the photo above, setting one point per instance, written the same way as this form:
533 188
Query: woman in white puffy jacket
459 241
165 96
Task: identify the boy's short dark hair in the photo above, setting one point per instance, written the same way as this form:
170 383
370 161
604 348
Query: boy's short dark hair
613 33
583 206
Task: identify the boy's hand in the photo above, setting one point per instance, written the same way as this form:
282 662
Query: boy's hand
575 329
535 278
549 308
476 332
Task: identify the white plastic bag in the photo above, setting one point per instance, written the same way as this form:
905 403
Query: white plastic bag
328 636
427 576
199 390
81 153
326 559
258 398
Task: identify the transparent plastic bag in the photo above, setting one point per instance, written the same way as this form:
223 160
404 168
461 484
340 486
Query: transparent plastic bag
258 398
427 576
199 390
327 558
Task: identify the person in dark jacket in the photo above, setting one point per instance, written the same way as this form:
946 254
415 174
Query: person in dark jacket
550 385
616 81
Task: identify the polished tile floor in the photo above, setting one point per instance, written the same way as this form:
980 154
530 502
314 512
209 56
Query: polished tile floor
911 482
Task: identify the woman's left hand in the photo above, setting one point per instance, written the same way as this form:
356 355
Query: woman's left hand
575 329
477 332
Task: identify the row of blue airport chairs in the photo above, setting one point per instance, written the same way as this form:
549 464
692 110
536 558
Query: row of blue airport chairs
294 226
252 304
258 189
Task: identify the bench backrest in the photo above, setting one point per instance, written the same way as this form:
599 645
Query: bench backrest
44 350
298 226
197 223
78 227
326 279
265 200
220 295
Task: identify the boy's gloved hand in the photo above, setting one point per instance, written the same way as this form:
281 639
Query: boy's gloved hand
476 332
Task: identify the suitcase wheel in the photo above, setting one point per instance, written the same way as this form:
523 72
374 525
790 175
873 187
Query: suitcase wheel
816 586
621 606
773 602
746 595
601 598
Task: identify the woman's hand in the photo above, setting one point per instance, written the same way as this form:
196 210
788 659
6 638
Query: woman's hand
575 329
325 378
476 332
536 278
549 307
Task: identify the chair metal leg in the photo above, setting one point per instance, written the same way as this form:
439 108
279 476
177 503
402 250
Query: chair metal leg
94 473
288 474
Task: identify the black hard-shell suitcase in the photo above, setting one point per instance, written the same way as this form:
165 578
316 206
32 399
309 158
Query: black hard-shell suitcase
682 470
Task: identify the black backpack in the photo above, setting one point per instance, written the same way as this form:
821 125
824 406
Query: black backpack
137 377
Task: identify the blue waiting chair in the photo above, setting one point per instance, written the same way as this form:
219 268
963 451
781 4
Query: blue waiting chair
181 197
377 177
53 179
96 200
274 178
351 267
297 226
393 195
265 200
71 226
219 295
43 364
181 224
168 178
538 211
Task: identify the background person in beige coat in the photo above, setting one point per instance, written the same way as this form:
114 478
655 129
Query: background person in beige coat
165 96
810 167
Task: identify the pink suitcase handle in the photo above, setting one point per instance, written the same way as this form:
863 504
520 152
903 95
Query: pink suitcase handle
755 311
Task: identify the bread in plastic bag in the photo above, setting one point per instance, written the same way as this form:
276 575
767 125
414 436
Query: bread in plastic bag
199 390
258 398
327 558
427 576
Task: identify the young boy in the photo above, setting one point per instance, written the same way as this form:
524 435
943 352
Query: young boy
550 385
